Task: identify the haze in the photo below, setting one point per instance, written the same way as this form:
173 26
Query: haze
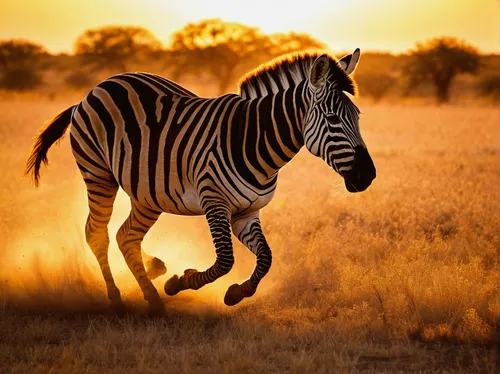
388 25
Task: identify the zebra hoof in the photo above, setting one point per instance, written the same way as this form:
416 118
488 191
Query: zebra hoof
173 286
156 308
156 268
238 292
116 300
118 307
233 295
114 295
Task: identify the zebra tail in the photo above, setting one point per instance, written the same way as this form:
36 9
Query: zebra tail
53 131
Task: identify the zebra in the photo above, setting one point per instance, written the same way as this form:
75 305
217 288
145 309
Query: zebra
174 152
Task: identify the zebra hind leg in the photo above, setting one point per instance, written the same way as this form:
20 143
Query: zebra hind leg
249 232
129 238
101 197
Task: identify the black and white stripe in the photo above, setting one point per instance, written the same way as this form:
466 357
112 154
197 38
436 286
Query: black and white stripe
172 151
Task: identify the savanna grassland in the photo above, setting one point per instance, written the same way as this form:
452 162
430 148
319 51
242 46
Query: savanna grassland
403 277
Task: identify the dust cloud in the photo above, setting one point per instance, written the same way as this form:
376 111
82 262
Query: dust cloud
414 255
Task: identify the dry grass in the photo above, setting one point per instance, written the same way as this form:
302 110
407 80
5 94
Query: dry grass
403 277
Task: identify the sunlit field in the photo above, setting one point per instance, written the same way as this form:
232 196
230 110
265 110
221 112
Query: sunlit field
403 277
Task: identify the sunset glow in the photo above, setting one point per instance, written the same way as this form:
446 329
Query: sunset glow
241 186
391 25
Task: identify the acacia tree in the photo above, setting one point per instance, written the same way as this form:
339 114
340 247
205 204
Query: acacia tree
440 61
112 47
282 43
20 64
215 47
222 48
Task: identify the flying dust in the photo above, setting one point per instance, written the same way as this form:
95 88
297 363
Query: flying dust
415 255
51 268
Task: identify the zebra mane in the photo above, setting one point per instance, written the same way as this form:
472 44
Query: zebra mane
287 71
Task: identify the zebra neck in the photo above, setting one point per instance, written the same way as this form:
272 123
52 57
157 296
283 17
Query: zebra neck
273 128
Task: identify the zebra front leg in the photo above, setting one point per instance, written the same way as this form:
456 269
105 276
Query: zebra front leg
249 232
129 238
218 217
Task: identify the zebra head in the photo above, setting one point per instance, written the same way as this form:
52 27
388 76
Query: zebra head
331 129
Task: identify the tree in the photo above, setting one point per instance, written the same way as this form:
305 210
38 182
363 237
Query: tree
375 85
215 47
440 61
112 47
293 42
223 48
20 64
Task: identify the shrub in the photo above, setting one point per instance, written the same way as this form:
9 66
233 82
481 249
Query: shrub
20 79
20 64
78 79
489 85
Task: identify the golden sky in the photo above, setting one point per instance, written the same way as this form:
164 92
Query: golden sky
389 25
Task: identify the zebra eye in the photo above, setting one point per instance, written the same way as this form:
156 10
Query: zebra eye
332 118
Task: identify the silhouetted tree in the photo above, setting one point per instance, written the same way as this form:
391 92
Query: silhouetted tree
20 64
222 48
375 85
293 42
112 47
440 61
216 47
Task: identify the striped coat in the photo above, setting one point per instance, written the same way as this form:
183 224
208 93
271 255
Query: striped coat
174 152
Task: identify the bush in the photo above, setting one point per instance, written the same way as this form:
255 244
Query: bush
489 85
20 64
78 80
20 79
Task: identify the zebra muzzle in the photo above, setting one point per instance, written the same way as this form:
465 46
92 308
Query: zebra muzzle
360 177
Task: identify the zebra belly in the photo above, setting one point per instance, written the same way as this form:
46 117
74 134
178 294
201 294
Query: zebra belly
182 197
261 202
186 203
191 202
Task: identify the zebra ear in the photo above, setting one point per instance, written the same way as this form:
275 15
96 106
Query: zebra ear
319 71
350 62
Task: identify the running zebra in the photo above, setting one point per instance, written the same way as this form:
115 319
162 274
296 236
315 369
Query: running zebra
174 152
